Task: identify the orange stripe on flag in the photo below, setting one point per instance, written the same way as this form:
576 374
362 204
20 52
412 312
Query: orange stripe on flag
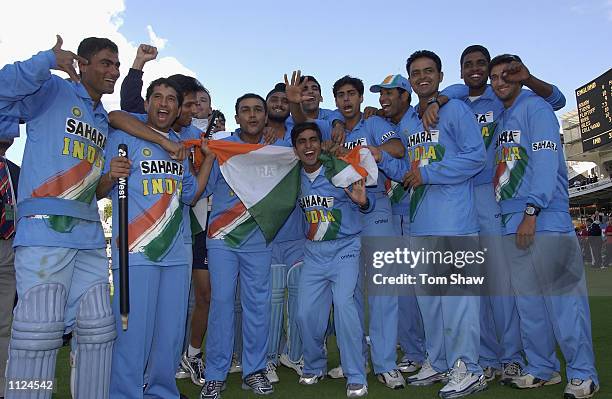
224 150
225 218
148 218
353 158
62 182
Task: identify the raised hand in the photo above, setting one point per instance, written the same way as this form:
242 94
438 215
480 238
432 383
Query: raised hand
358 193
64 60
144 54
295 87
516 72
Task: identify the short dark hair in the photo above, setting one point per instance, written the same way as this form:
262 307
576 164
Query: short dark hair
220 115
251 95
205 90
300 127
348 80
166 82
475 48
187 84
311 79
92 45
423 54
503 59
278 88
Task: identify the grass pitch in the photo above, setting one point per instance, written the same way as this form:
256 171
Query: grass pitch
600 287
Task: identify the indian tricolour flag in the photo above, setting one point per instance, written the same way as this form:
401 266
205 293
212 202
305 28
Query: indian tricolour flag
155 229
266 179
77 183
510 171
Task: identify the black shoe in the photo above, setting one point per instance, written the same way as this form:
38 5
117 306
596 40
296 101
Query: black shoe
212 389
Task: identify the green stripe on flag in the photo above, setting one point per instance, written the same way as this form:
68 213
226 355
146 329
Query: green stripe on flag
158 247
236 237
517 172
332 165
272 211
334 227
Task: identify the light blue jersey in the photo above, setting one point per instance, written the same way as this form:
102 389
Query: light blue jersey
158 188
63 158
448 157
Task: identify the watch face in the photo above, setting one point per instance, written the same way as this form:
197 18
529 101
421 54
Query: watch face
530 210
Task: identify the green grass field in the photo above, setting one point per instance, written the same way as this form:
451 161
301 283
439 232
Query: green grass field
600 283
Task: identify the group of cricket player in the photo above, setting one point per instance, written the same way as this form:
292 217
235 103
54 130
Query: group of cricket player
482 160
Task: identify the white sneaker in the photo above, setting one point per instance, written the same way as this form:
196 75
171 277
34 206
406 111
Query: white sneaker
356 390
271 373
310 379
462 382
408 366
392 379
236 366
336 372
510 372
580 389
195 366
297 367
526 381
426 376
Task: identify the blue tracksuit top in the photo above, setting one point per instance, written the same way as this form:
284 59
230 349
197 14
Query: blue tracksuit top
227 213
372 131
158 188
329 213
487 109
531 165
63 158
9 127
448 157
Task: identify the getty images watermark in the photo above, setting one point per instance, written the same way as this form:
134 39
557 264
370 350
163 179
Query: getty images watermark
472 265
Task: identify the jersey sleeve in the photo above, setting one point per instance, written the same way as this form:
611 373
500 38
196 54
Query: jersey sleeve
381 131
215 172
326 128
394 168
456 91
470 157
190 184
556 99
545 152
131 89
27 88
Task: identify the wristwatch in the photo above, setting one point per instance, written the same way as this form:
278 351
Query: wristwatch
432 100
532 210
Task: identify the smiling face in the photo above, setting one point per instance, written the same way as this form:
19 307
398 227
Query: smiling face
505 91
348 101
392 102
311 89
475 70
425 77
308 148
162 107
251 116
100 74
278 106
